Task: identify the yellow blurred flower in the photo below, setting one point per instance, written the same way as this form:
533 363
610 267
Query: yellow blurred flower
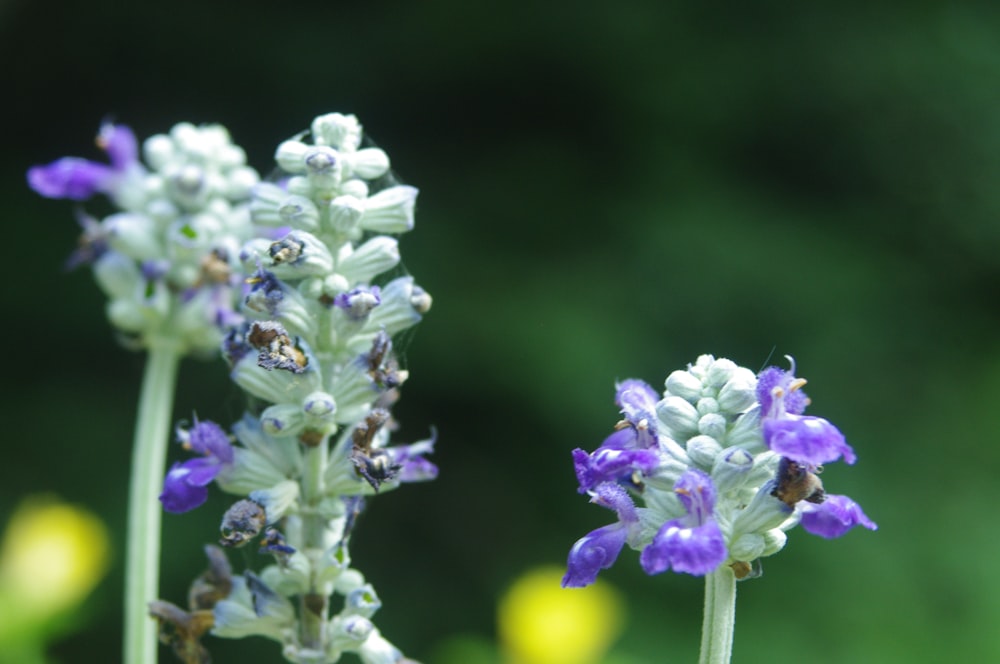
51 557
542 623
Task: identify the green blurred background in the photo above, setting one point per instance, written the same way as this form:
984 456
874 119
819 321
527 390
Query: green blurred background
607 191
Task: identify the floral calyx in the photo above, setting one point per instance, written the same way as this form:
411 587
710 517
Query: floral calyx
276 349
182 630
375 465
382 364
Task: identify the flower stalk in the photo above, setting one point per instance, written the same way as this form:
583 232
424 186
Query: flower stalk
149 453
720 617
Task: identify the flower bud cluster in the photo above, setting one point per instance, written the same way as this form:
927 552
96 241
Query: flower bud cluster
315 354
724 462
167 258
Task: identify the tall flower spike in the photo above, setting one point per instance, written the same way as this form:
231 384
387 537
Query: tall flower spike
166 259
315 353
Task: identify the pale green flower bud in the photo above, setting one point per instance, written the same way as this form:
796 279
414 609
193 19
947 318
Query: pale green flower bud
713 425
390 210
678 415
339 131
719 372
683 384
283 419
372 258
134 235
703 450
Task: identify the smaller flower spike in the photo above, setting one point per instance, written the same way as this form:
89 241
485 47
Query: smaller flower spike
186 484
807 440
692 544
834 517
78 179
599 549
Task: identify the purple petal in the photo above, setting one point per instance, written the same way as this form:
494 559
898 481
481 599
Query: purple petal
637 400
776 395
614 497
120 144
610 465
696 551
207 437
622 439
178 495
70 177
810 441
593 552
834 517
201 471
410 458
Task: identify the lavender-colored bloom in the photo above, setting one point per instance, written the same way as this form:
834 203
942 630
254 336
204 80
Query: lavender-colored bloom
599 549
78 179
610 464
779 392
637 401
810 441
692 544
834 517
186 484
413 467
807 440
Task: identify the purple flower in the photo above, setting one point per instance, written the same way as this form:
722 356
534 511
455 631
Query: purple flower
610 464
186 484
692 544
599 549
834 517
78 179
807 440
637 401
413 467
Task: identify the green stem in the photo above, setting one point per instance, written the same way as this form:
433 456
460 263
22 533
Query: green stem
149 454
720 616
314 529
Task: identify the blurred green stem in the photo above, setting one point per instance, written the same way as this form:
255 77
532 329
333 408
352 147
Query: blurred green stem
149 453
720 616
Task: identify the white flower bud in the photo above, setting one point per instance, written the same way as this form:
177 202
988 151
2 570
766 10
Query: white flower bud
291 156
678 415
390 210
683 384
368 163
134 235
719 372
703 450
739 392
713 425
377 255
